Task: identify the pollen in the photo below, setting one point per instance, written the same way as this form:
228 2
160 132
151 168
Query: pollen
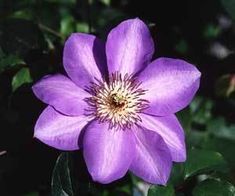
117 101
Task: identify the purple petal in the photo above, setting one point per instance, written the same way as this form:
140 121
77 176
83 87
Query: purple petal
153 160
108 152
129 47
84 58
59 131
61 93
170 84
170 130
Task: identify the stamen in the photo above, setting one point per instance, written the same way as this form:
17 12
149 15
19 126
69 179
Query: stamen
117 102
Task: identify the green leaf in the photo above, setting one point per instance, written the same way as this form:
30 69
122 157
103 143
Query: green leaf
177 174
106 2
8 61
223 145
21 77
185 119
196 138
218 127
211 31
67 25
182 46
82 27
201 110
212 187
203 161
229 6
61 184
161 190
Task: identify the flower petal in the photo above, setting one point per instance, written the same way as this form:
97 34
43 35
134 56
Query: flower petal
153 160
84 58
170 84
61 93
108 152
59 131
170 130
129 47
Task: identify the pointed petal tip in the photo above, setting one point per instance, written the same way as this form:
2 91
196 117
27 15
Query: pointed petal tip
68 100
129 47
164 182
181 159
196 71
134 20
84 58
171 131
199 73
35 135
153 161
171 84
154 182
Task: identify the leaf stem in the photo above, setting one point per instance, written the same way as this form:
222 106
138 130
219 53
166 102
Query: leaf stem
48 29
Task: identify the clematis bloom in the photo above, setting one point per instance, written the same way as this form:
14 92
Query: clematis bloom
117 105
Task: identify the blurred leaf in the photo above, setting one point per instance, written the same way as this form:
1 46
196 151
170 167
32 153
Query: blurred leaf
182 46
106 2
19 36
21 77
161 190
61 184
23 14
201 109
185 118
202 161
223 146
106 17
32 194
67 2
9 6
67 25
47 14
229 6
82 27
177 174
218 127
8 61
212 187
196 138
211 31
225 85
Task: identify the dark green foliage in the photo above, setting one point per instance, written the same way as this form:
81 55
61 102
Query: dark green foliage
61 184
212 187
161 190
20 36
203 161
229 6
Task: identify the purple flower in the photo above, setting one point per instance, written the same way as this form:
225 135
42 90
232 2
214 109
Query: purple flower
117 105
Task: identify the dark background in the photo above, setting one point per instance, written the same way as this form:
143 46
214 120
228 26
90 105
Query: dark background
32 34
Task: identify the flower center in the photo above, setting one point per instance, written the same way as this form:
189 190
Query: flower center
117 102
